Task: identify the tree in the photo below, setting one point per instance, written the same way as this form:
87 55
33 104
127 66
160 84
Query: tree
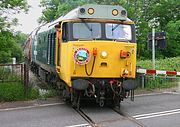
56 8
10 46
20 37
173 38
164 10
6 46
140 11
8 7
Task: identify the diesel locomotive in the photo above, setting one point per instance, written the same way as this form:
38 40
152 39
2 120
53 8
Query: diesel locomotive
89 53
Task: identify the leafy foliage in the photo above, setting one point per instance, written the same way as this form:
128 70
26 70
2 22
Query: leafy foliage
9 46
8 42
56 8
142 12
8 7
6 46
173 34
164 10
171 64
20 38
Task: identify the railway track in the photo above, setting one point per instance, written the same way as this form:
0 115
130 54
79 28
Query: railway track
118 118
128 117
87 118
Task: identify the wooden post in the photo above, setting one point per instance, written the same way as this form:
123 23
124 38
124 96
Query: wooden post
26 79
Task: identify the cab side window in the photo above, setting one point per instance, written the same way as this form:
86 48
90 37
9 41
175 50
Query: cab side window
65 32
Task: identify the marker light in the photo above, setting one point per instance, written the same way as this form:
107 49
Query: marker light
82 10
115 12
91 11
126 72
94 51
123 54
104 54
123 13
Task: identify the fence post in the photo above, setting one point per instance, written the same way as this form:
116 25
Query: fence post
178 85
22 74
26 79
142 81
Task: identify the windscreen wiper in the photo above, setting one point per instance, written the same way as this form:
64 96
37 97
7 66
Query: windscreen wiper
89 28
115 27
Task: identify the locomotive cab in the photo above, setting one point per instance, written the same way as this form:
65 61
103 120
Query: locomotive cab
88 53
97 53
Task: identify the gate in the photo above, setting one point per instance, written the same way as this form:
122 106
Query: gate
15 73
160 80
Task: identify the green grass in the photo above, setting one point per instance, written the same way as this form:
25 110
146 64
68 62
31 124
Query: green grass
15 92
161 83
169 64
33 93
11 88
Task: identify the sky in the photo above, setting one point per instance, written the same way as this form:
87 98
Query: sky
28 22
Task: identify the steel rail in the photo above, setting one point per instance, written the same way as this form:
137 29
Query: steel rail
86 117
128 117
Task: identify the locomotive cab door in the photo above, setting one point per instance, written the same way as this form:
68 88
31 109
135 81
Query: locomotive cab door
58 47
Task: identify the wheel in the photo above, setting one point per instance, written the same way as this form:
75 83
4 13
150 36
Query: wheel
76 99
116 102
101 103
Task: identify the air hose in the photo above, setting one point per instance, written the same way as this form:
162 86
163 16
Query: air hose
89 74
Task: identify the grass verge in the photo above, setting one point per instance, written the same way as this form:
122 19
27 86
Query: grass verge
15 92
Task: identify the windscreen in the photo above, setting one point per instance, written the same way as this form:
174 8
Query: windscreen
118 31
86 30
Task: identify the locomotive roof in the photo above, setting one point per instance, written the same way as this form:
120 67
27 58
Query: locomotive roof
100 12
82 12
97 11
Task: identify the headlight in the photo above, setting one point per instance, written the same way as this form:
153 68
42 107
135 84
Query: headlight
91 11
115 12
104 54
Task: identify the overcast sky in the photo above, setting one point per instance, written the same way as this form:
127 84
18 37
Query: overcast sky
29 21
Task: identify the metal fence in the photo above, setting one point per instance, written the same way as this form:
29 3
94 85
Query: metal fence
11 73
159 82
15 73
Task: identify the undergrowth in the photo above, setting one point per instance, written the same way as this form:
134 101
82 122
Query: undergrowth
169 64
15 92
